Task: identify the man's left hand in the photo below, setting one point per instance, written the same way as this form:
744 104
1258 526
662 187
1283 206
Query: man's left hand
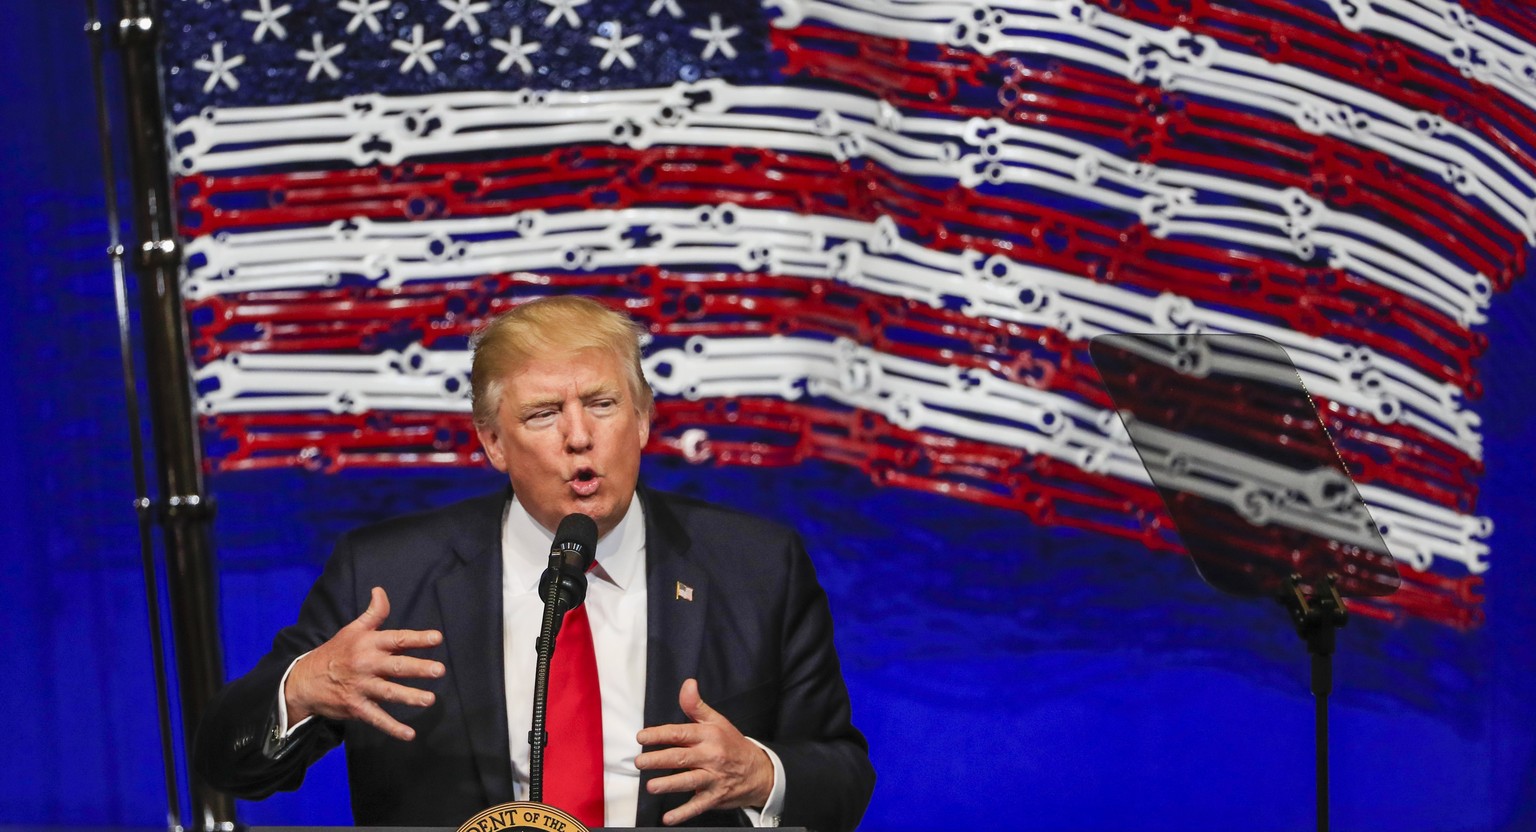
722 768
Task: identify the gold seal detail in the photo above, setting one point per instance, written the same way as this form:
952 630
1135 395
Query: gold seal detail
522 815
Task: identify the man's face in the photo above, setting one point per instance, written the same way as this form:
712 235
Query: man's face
568 436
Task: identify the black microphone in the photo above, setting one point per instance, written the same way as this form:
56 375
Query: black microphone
570 557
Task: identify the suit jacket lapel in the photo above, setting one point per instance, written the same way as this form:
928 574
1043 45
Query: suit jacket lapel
674 629
469 600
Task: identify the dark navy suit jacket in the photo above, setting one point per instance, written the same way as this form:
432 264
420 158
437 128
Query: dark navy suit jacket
757 635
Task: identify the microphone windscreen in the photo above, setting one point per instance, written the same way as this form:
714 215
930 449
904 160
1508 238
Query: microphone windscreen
576 541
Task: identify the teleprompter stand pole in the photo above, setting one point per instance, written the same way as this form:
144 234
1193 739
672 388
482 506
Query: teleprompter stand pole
1318 617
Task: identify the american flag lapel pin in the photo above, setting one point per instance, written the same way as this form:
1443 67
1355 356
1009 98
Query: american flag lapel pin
684 592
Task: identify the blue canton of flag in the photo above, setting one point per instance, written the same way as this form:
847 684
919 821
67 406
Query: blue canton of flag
237 54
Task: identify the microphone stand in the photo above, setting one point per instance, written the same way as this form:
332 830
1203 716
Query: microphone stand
564 587
537 736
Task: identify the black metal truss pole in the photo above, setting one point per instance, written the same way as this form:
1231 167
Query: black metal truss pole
185 511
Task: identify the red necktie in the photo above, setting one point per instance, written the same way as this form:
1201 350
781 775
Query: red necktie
573 761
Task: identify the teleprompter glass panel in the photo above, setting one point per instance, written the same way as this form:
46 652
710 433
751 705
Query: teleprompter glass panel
1244 464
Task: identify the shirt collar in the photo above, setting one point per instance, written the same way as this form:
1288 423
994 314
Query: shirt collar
525 547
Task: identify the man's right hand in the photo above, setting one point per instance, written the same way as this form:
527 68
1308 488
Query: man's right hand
348 676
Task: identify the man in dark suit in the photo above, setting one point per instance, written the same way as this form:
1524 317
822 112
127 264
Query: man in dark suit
688 601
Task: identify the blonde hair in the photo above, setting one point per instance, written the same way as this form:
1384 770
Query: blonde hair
557 323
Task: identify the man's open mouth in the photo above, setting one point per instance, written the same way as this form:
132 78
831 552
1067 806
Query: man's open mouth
585 482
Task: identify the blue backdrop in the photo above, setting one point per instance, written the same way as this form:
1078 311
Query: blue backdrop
1062 682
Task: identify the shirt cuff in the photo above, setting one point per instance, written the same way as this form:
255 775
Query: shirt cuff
773 810
284 730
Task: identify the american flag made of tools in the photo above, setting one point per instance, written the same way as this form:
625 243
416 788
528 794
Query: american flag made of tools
873 233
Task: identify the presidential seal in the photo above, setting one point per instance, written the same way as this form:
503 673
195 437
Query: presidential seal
522 815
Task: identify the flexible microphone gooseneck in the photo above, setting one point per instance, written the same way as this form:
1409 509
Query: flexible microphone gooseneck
564 588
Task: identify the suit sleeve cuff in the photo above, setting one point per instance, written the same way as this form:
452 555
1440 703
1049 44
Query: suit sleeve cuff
773 810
